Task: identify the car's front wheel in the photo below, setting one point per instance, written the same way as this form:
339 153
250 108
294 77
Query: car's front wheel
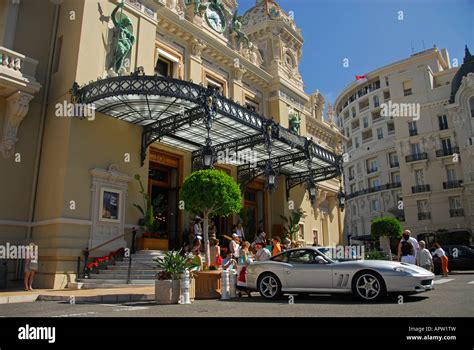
368 286
269 286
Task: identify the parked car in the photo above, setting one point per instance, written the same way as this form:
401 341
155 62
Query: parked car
460 258
307 270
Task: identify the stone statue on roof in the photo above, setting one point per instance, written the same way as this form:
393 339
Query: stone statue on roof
125 38
236 27
294 122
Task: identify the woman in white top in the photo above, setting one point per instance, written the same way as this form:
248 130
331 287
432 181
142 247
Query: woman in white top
444 259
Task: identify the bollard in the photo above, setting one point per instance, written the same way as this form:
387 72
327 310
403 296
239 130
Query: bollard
233 283
225 285
185 285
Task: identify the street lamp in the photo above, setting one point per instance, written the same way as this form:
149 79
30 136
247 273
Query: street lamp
311 187
270 175
208 154
341 197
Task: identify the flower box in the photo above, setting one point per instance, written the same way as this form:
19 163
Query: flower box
152 244
208 284
167 291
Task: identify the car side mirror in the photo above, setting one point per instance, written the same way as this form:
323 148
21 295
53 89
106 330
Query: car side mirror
320 260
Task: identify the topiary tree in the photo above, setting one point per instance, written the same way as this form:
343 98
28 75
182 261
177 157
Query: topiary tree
210 192
386 228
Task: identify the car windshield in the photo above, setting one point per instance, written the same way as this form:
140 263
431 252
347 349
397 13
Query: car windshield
289 256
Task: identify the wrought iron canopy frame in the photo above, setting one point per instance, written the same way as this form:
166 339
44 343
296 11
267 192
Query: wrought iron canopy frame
176 113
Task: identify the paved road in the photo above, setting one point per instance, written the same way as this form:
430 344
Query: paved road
453 296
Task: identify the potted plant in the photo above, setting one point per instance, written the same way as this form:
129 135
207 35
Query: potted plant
167 284
385 228
152 238
292 222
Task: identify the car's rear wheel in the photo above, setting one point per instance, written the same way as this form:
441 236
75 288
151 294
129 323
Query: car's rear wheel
368 286
269 286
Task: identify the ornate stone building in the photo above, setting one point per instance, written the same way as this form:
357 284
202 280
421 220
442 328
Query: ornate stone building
414 162
67 182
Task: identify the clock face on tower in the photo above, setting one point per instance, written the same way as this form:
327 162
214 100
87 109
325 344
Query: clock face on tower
215 18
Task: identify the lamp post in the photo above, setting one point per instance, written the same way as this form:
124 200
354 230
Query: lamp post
311 187
208 155
341 197
270 175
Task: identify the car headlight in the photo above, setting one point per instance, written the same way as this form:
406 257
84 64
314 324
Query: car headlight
404 269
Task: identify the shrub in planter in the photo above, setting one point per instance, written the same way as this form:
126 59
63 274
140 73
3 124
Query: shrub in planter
167 284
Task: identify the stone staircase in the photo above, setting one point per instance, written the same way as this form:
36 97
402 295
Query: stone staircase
142 273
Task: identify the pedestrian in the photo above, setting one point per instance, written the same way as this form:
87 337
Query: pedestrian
215 252
262 253
242 262
444 259
197 228
240 232
424 258
276 248
196 261
234 246
407 254
260 238
31 266
196 245
414 243
287 244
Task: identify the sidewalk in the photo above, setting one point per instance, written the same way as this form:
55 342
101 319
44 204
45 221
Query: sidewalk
105 295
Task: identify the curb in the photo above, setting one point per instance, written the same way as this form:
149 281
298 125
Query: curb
120 298
19 299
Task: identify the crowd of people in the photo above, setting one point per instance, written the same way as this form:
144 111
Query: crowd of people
413 252
237 254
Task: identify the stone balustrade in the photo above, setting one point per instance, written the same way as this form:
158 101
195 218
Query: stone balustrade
17 63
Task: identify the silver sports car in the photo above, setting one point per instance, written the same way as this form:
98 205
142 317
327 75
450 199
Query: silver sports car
310 271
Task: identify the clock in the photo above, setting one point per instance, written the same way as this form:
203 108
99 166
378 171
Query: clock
215 18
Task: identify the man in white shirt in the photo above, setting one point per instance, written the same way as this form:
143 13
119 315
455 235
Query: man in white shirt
406 237
262 253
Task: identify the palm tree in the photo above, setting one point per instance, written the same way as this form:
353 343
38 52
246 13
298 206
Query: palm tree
292 224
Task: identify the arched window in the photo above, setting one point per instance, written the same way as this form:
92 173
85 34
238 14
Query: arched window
290 61
471 106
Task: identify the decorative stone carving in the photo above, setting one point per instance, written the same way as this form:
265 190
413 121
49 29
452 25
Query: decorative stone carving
239 73
197 47
16 110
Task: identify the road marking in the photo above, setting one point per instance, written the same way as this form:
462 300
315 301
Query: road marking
472 282
131 308
80 314
441 281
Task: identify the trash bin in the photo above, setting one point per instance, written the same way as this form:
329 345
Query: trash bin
3 274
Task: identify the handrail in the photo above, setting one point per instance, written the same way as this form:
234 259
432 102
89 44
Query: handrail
111 240
87 251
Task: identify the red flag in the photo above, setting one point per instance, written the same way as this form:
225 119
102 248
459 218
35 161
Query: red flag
360 77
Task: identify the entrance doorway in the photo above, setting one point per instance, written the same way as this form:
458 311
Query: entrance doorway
254 203
163 180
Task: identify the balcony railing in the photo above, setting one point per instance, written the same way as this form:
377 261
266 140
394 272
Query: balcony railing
375 189
443 126
417 156
424 216
351 177
372 170
420 188
413 132
452 184
456 212
447 151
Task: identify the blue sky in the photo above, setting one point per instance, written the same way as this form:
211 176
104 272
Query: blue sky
369 34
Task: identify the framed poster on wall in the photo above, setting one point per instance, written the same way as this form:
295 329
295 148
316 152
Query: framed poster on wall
110 205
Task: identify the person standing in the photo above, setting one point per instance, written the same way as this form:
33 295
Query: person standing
242 263
262 253
31 266
414 243
240 232
234 246
407 254
276 248
215 252
444 259
424 258
197 228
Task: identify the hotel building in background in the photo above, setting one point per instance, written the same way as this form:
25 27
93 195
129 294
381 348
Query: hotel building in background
418 167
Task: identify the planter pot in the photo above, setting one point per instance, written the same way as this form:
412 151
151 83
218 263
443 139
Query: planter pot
152 244
167 291
208 285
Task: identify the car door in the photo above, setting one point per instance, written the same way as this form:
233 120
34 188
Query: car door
304 272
